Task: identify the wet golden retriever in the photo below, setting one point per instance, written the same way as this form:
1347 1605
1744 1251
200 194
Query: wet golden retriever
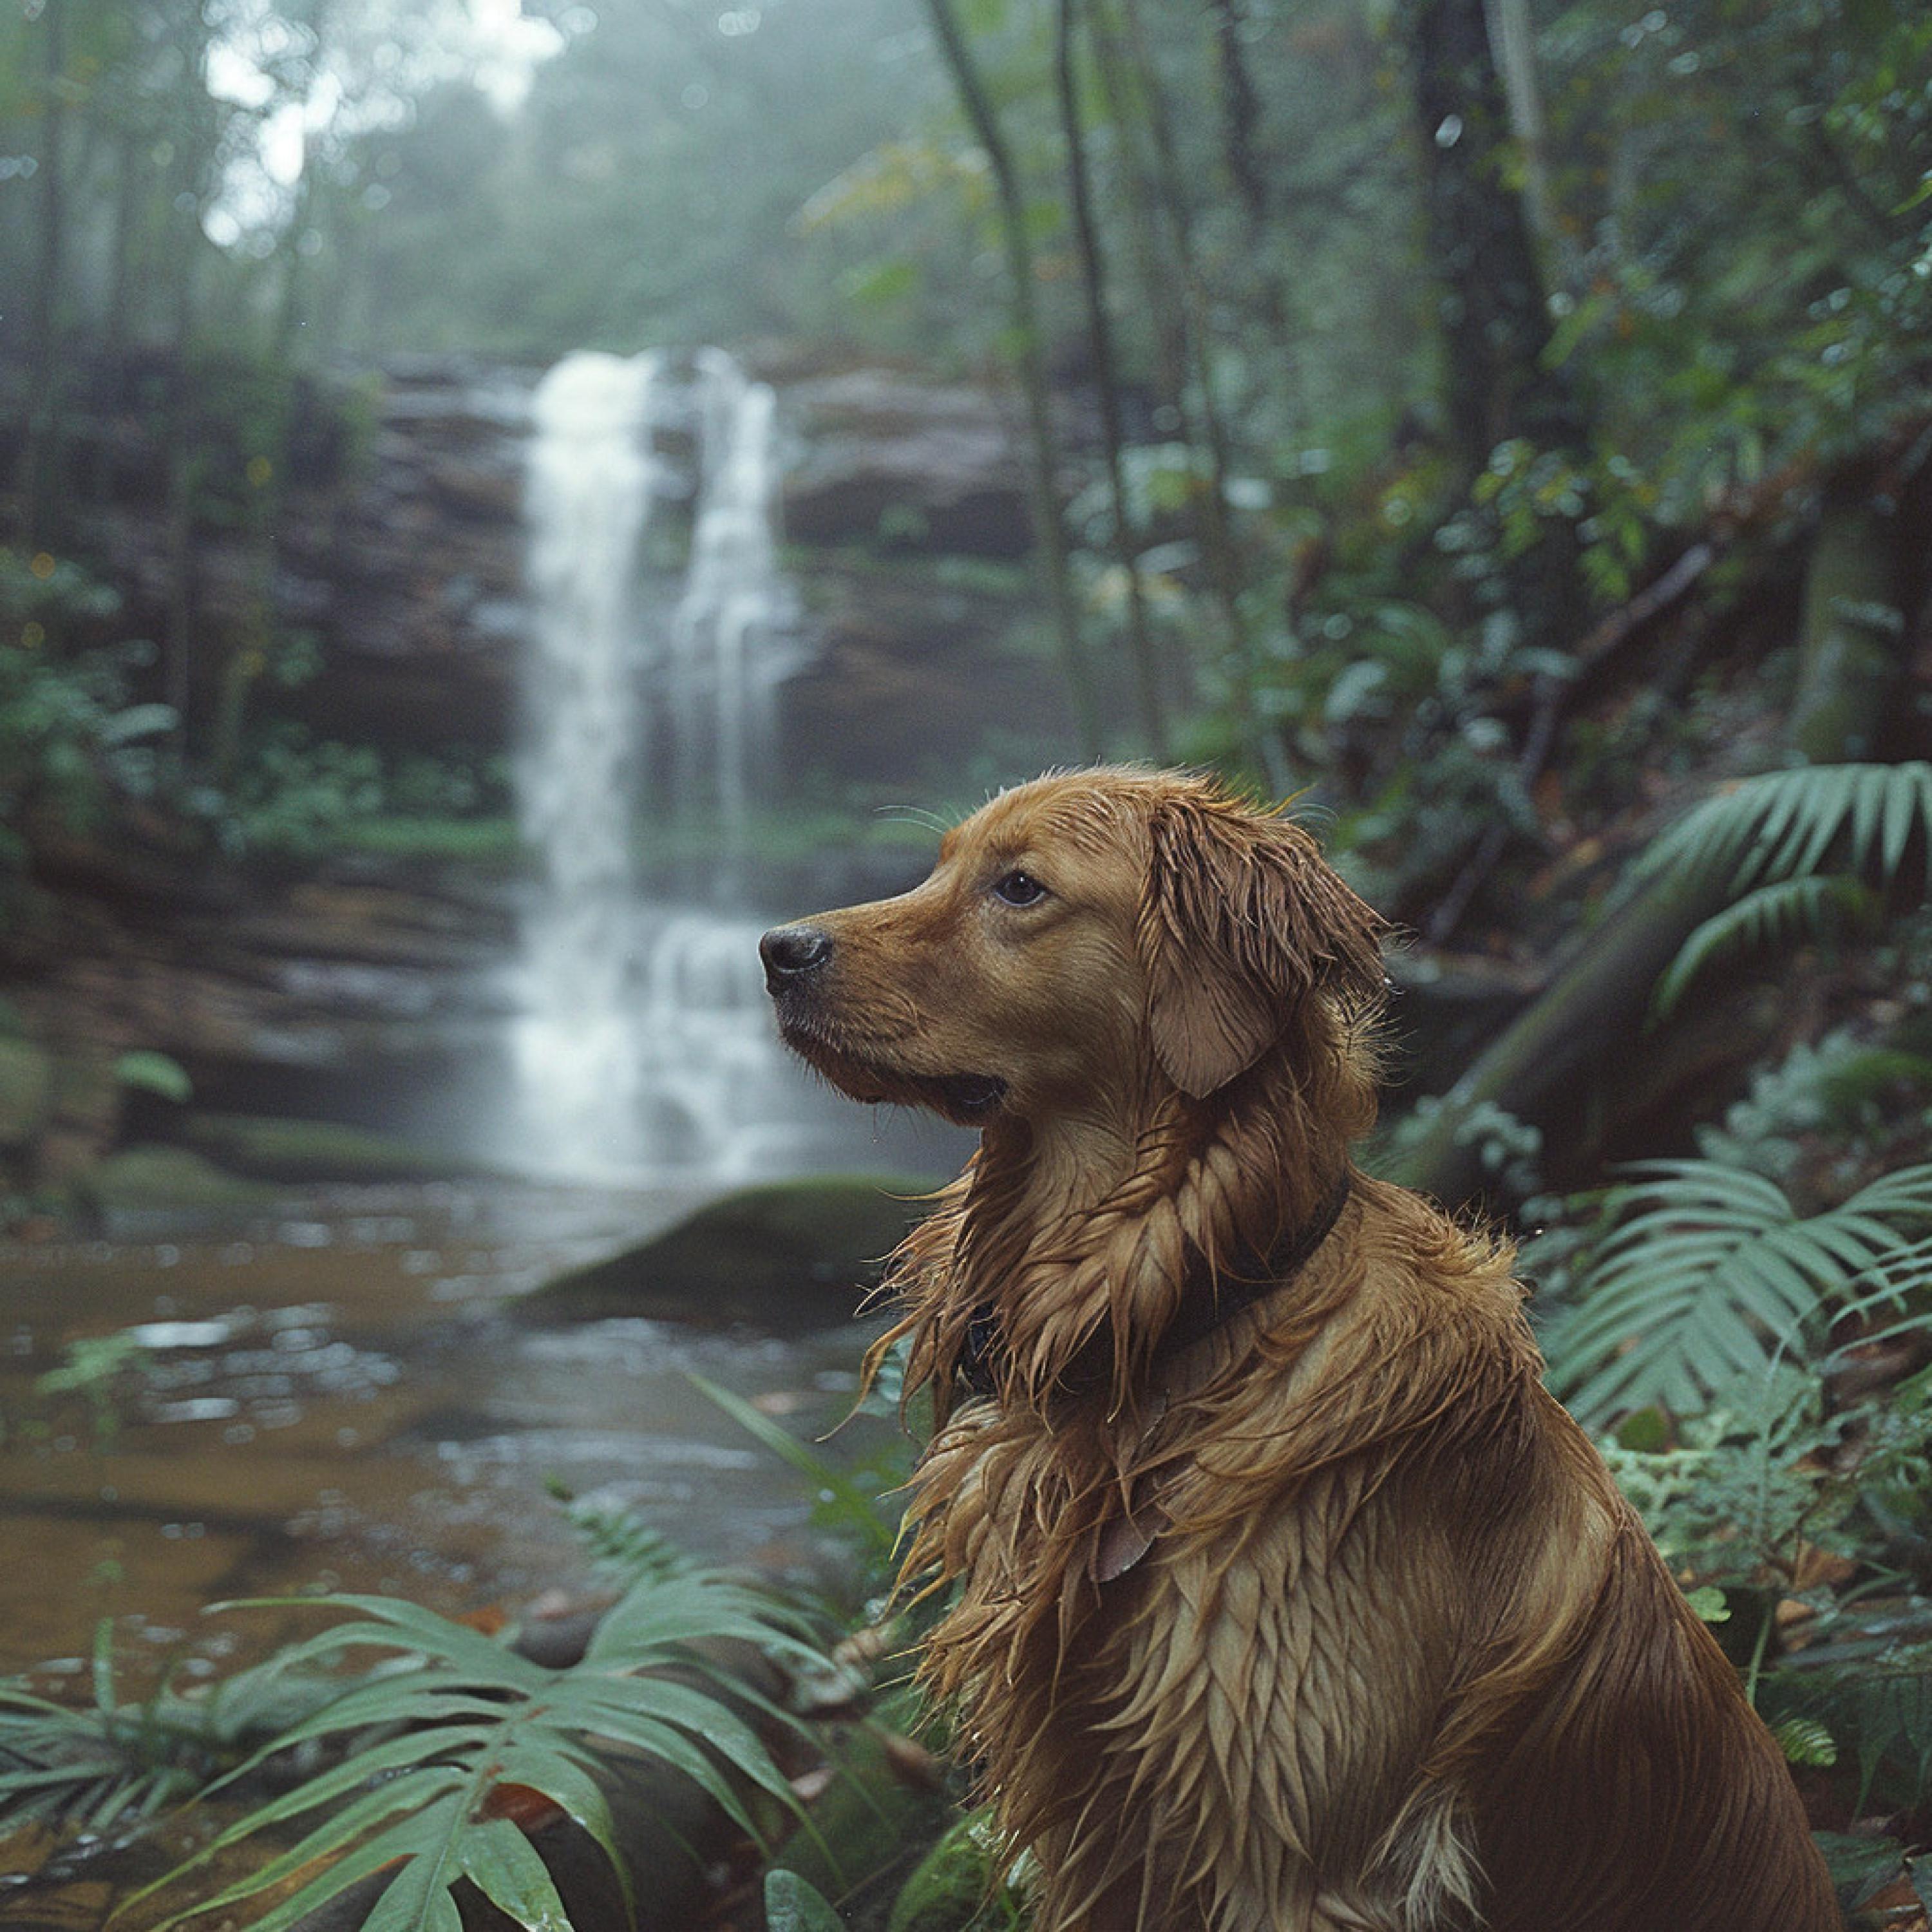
1287 1600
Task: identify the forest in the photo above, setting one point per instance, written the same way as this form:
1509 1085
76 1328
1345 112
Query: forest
1503 426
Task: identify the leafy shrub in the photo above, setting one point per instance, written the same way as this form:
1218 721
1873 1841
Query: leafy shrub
445 1741
69 738
1805 1529
1708 1272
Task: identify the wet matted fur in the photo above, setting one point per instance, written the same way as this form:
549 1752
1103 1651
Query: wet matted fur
1330 1617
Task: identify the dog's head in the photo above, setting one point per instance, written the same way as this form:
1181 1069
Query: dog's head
1078 934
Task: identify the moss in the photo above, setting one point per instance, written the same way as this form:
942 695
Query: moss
300 1150
26 1086
139 1180
791 1256
954 1888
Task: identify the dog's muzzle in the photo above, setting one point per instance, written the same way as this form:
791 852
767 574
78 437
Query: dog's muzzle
791 954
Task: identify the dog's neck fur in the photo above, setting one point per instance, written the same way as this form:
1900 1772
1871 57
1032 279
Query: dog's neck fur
1205 1182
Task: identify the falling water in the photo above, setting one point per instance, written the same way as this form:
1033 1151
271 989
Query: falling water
727 635
590 498
645 1047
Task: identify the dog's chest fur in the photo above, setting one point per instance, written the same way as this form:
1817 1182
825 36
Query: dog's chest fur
1239 1714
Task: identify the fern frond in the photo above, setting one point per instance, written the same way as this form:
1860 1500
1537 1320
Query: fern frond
1805 1741
1708 1273
470 1717
1784 825
1784 912
1788 849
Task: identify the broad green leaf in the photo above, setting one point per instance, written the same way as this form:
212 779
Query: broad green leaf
504 1865
792 1905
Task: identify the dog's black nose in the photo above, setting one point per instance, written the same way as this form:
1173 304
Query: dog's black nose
789 951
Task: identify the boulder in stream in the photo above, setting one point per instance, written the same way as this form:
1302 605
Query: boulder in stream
788 1257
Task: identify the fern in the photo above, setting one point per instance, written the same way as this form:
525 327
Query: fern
1784 825
1767 842
1882 1705
1804 1741
464 1719
1784 912
94 1766
1709 1273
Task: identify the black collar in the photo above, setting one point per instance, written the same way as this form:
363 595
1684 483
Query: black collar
1211 1296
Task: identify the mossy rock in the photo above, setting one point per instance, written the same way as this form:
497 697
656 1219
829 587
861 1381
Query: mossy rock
26 1088
270 1149
789 1257
142 1180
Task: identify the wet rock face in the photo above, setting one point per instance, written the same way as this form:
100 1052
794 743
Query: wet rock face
882 459
400 546
417 582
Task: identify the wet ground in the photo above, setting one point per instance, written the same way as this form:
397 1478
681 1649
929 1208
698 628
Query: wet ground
331 1396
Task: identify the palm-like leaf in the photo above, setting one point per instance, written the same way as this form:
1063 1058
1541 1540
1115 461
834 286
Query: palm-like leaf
1783 912
1709 1272
1769 842
1784 825
472 1716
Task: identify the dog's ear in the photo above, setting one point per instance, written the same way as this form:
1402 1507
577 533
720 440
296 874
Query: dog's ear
1242 920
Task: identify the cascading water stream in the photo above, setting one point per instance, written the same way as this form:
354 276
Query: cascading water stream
728 651
589 497
645 1050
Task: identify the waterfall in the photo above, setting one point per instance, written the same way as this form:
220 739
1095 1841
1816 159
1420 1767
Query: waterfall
724 669
644 1049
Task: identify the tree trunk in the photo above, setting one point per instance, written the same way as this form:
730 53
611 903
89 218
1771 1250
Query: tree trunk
1512 43
1569 1051
1100 341
1848 641
1044 484
1495 328
1207 432
40 457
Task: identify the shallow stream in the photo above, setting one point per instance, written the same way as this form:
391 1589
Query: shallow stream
331 1396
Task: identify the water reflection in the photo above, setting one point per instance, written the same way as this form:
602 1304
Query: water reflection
333 1398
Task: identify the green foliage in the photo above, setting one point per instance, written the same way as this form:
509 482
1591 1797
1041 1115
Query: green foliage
460 1716
845 1506
1708 1272
1861 818
96 1368
969 1881
792 1904
1508 1149
1851 1099
1794 850
1771 1499
1782 914
70 735
91 1768
297 797
622 1545
148 1072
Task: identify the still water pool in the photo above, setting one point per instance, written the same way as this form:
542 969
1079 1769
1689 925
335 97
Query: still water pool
333 1396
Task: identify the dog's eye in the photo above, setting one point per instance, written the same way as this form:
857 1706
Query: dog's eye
1019 889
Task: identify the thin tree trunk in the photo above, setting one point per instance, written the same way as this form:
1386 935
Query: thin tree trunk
1494 321
41 456
1848 638
1049 530
1513 42
1219 551
1099 335
1240 110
